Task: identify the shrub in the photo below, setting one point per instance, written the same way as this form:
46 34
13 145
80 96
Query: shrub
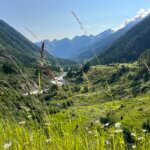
67 104
9 69
146 125
86 67
85 89
128 137
54 110
76 88
110 118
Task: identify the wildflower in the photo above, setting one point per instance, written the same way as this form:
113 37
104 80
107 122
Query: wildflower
134 146
144 130
22 122
118 131
106 142
47 124
29 116
26 109
58 104
7 145
106 125
95 133
133 134
89 132
117 125
48 141
140 138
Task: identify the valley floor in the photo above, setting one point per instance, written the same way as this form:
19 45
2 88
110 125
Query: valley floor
101 113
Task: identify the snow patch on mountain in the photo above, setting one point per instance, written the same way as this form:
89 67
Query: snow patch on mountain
141 14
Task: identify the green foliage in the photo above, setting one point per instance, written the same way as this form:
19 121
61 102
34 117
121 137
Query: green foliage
76 88
128 136
86 67
85 89
146 125
130 46
9 68
110 118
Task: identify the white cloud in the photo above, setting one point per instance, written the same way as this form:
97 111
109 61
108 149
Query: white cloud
142 13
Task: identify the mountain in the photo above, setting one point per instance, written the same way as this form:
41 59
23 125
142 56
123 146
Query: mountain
98 43
15 44
130 46
81 48
66 48
104 43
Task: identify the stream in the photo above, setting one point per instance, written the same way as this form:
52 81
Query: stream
59 81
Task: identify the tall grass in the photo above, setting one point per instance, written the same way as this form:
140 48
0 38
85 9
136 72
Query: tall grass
94 53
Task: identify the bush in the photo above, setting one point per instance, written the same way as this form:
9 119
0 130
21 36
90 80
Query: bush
85 89
53 110
9 69
86 67
67 104
128 137
76 88
146 125
110 118
48 97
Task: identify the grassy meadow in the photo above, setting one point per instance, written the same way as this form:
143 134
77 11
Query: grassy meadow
99 108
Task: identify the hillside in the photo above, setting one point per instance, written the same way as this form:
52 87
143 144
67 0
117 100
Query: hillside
104 43
104 116
130 46
15 44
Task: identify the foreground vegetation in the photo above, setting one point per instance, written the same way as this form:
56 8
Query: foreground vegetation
102 107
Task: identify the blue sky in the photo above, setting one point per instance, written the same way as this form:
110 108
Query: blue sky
50 19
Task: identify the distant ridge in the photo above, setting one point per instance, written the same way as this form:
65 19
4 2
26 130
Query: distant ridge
130 46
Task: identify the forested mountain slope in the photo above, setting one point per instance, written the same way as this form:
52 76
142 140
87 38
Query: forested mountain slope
14 44
130 46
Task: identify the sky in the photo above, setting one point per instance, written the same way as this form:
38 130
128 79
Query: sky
51 19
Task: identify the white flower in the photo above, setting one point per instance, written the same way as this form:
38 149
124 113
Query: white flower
48 141
47 124
133 146
29 116
107 142
133 134
106 125
140 138
117 125
144 130
25 108
22 122
89 132
118 131
7 145
58 104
